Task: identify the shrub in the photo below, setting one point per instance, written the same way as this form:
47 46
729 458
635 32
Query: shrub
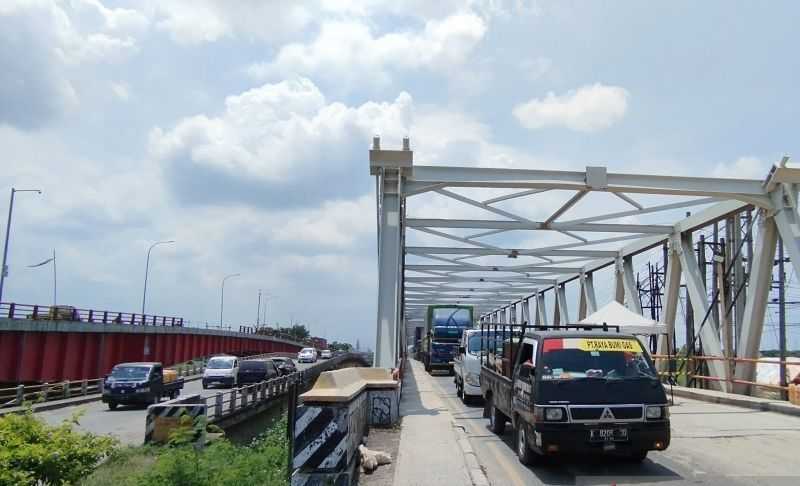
33 452
222 463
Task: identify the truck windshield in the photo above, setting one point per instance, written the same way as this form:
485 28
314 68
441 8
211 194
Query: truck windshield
455 316
609 358
130 372
447 333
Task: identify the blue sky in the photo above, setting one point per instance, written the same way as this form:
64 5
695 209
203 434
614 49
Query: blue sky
241 130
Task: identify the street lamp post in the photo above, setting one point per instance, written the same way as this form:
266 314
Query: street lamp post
4 268
147 268
222 296
55 275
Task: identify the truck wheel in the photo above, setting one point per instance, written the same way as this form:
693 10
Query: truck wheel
497 420
638 456
112 405
524 453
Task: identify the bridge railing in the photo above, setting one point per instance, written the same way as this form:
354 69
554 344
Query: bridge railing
35 312
44 392
687 368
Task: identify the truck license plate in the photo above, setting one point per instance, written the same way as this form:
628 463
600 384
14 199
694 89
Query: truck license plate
607 435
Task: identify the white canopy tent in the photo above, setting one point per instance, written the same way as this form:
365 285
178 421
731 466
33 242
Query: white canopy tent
616 314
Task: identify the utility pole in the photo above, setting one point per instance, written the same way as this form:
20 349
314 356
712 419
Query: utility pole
258 314
782 317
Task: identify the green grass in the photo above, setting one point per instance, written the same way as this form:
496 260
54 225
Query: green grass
123 467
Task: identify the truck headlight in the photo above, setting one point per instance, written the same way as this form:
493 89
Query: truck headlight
473 379
654 412
554 414
549 414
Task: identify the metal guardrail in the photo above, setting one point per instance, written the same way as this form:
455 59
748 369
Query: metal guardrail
34 312
687 363
228 403
17 395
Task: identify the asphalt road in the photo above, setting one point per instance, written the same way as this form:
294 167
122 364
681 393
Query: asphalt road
126 423
711 444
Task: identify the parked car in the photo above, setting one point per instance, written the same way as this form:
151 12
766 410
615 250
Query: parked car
285 365
326 354
140 383
256 371
223 370
307 355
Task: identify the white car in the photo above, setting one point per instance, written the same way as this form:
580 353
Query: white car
326 354
221 370
467 365
307 355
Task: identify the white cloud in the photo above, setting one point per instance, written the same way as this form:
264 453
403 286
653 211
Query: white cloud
347 50
279 131
587 109
339 224
121 91
200 21
743 167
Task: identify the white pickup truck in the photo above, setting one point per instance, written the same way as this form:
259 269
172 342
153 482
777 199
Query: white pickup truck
467 365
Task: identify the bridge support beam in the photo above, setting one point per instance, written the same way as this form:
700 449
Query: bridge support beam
388 166
671 296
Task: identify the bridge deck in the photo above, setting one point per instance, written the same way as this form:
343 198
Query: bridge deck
711 444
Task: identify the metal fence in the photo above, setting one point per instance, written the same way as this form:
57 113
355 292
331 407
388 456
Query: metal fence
35 312
17 395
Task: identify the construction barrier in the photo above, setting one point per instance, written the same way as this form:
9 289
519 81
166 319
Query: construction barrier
163 418
334 418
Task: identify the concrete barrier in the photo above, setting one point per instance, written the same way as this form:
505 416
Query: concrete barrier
163 418
333 419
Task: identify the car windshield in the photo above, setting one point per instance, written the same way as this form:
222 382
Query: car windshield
130 372
220 364
615 358
307 350
253 365
474 344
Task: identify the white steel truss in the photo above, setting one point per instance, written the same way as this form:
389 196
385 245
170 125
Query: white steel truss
466 269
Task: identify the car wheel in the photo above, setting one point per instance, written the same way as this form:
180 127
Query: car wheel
524 453
112 405
497 421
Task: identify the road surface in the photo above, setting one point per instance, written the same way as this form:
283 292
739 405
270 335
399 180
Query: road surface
711 444
126 423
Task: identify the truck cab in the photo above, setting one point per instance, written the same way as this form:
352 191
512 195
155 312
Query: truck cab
444 326
580 390
140 383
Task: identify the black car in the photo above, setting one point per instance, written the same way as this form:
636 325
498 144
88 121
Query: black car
256 371
285 365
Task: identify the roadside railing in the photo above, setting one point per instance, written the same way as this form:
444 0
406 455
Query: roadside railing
34 312
17 395
687 367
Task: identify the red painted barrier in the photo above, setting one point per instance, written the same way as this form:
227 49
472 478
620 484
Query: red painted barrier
67 354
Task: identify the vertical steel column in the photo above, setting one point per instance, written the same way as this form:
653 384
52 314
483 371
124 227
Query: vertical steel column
526 311
671 293
541 310
561 316
619 281
387 166
756 305
629 285
738 279
696 288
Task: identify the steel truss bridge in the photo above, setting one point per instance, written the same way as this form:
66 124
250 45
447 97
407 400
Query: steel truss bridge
515 242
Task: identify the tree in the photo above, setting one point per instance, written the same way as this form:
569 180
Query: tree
337 346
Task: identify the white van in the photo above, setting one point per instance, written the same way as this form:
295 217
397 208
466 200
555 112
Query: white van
221 370
307 355
467 365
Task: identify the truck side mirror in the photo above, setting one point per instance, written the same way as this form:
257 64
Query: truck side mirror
525 372
461 350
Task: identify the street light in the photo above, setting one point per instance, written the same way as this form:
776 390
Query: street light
222 296
4 268
55 284
259 319
147 268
